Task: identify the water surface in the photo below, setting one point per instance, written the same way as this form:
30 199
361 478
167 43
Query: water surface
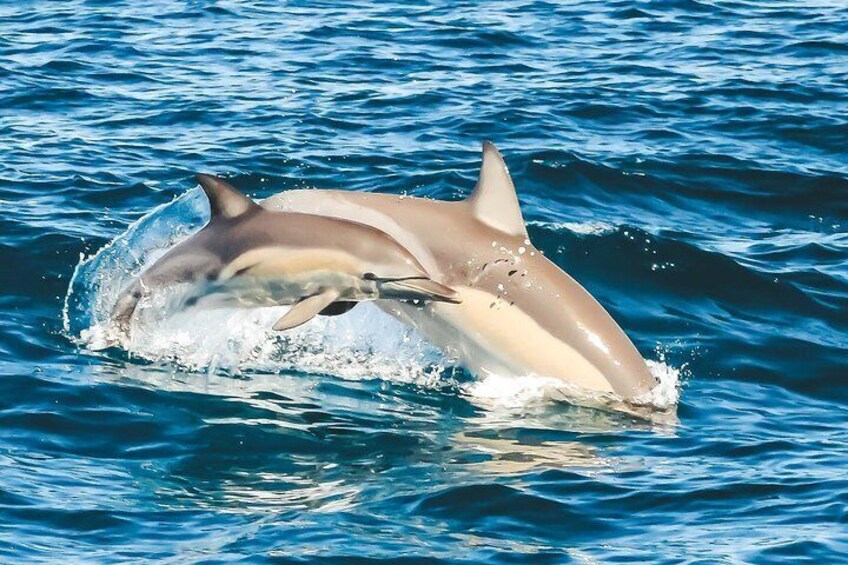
684 160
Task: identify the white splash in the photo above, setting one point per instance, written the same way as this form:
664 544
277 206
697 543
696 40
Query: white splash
667 392
580 228
508 391
364 343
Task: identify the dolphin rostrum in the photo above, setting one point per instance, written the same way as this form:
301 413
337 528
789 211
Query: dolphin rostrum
319 264
516 311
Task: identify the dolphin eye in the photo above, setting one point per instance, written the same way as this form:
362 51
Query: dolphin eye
242 271
369 277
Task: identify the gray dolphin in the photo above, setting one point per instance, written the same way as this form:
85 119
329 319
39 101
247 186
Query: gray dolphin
321 265
516 311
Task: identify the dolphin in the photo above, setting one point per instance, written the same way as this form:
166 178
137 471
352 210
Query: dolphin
515 312
259 257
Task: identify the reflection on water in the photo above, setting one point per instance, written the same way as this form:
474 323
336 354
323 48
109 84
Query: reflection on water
515 456
516 440
292 441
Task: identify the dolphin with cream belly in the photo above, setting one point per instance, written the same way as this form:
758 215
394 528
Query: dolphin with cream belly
258 257
515 312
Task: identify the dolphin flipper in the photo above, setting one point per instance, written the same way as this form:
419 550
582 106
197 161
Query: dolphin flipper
306 309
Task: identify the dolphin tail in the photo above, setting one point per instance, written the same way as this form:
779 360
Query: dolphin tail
417 289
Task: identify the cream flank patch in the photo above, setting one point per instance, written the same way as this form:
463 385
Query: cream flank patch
520 340
281 262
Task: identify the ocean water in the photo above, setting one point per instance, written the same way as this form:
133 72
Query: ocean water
685 160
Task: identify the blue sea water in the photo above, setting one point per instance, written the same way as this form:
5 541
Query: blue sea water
685 160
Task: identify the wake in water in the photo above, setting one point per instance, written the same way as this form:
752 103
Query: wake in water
361 344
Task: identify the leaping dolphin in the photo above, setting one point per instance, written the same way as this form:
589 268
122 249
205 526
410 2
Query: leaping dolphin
516 311
321 265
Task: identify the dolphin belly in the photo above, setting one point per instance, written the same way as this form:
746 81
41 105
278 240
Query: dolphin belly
487 334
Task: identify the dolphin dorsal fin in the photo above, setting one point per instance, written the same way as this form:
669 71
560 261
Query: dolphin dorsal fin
494 201
224 200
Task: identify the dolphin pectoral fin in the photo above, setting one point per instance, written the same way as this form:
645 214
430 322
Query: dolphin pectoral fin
418 289
337 308
305 310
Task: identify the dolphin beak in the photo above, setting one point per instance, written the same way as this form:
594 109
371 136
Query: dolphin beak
418 289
